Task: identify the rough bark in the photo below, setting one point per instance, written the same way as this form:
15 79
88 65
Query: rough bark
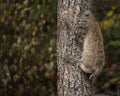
72 81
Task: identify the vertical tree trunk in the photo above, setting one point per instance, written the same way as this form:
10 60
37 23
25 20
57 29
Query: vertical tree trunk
72 81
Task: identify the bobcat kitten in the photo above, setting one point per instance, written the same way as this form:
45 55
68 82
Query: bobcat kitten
93 57
92 60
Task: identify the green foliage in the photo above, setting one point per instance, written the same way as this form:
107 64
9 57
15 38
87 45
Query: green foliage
28 48
110 78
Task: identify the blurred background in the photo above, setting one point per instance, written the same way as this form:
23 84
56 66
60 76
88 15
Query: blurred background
28 47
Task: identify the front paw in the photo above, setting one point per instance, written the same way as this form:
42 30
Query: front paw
92 76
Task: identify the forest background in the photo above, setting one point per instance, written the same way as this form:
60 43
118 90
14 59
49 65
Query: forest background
28 36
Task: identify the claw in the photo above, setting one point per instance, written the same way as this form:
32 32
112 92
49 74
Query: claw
92 76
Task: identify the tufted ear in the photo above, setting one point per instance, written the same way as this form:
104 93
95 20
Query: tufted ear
78 9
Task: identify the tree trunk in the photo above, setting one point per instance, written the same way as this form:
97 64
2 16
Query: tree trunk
72 81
